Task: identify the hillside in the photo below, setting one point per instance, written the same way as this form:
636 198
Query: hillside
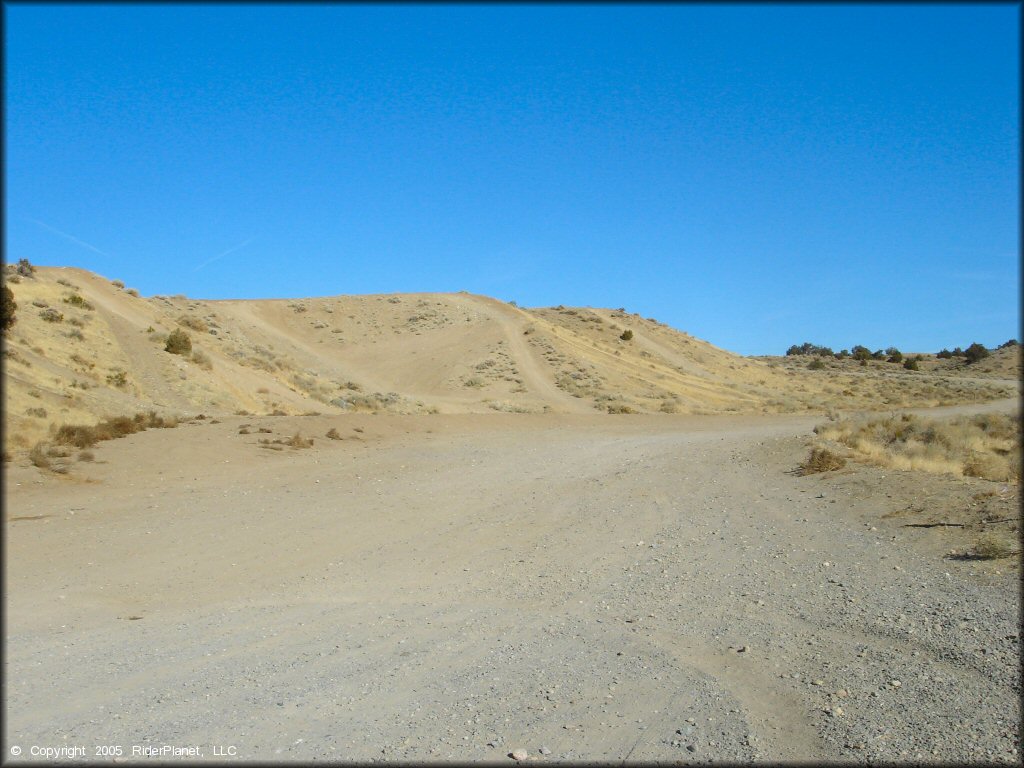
101 352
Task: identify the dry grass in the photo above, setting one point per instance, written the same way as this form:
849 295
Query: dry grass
822 460
195 323
332 433
984 445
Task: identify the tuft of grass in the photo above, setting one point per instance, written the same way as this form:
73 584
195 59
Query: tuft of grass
821 460
332 433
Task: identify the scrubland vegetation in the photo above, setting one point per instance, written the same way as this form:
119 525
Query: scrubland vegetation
985 445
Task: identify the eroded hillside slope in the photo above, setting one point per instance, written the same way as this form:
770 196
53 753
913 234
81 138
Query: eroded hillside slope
84 347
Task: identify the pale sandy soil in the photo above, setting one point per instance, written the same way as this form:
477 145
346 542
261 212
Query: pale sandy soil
456 587
408 354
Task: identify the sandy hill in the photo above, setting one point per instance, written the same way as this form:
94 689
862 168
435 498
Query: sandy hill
84 347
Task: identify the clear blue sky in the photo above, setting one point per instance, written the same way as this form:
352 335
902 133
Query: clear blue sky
758 176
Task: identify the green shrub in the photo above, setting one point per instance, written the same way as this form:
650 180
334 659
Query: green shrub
910 364
7 308
944 354
861 353
178 343
975 352
895 356
75 300
627 335
816 364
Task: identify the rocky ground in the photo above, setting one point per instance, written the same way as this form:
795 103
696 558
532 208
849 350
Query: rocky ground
633 588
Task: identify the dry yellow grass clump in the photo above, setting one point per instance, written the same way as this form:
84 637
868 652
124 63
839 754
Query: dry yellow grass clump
822 460
985 445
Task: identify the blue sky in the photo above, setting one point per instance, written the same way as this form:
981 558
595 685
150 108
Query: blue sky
758 176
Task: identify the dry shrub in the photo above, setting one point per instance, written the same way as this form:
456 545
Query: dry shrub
76 300
86 456
332 433
983 445
201 359
620 408
993 546
38 457
83 436
297 441
178 343
822 460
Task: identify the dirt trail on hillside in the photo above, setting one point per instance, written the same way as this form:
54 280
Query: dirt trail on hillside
459 587
535 373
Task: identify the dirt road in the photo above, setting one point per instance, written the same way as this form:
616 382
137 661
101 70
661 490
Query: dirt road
460 587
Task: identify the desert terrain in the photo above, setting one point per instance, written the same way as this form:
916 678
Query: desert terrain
439 527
